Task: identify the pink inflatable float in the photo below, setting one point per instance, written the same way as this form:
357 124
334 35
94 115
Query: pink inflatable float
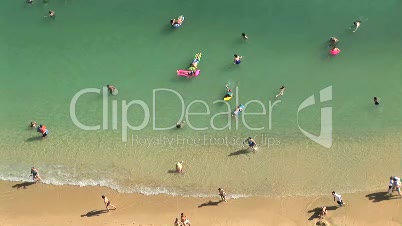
188 73
334 51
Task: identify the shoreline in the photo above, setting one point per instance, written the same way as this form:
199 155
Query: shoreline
72 205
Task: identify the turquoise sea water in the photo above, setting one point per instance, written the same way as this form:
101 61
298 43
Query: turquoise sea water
44 62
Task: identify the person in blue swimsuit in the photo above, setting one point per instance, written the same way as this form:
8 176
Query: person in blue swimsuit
251 143
237 59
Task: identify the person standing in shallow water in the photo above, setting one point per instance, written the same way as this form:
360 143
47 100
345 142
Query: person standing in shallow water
111 88
333 41
179 167
237 59
33 125
222 194
180 125
35 175
376 100
52 13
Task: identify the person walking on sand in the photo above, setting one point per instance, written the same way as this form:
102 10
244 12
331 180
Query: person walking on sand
179 167
35 175
251 143
184 220
356 25
323 212
107 203
177 222
391 185
244 36
338 198
222 194
397 185
282 90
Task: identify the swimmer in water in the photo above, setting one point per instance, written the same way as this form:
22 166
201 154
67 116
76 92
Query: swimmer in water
281 92
237 59
30 1
33 125
244 36
333 41
356 24
376 100
178 21
229 92
180 125
179 167
238 109
111 88
52 13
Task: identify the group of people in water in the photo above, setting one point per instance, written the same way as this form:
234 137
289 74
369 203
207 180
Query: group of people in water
51 13
333 41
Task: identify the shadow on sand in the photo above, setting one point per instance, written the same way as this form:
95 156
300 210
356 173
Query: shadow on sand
210 203
380 196
93 213
316 212
23 185
173 171
36 138
240 152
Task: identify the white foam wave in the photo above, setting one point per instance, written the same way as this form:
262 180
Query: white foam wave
113 185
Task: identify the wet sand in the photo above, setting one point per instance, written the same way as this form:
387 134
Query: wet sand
24 203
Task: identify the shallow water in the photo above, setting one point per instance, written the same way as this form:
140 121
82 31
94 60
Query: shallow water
89 44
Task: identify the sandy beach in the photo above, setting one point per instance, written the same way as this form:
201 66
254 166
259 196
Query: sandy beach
24 203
